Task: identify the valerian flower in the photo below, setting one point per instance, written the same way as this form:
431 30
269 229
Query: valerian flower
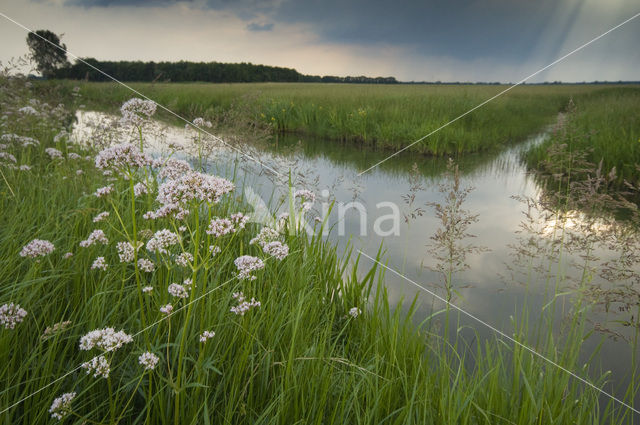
106 339
193 186
148 360
99 366
162 240
99 263
178 291
37 248
247 264
61 406
146 265
101 217
103 191
204 336
11 314
123 158
243 305
95 237
137 111
276 249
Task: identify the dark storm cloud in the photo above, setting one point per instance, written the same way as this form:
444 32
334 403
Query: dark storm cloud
503 30
463 28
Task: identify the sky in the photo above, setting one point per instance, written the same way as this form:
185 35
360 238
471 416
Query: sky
412 40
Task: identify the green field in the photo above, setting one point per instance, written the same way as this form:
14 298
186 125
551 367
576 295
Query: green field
385 116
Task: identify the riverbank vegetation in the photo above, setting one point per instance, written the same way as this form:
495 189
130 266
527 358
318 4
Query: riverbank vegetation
387 117
133 290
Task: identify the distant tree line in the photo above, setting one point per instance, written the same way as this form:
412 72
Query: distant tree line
214 72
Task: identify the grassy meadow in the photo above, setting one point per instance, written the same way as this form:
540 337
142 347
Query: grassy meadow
385 116
216 321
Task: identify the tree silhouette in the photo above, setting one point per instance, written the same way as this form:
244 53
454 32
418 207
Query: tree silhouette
46 48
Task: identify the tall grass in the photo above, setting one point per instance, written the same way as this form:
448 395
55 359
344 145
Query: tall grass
303 356
385 116
605 128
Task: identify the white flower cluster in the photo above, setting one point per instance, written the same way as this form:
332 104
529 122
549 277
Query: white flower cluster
11 314
136 111
67 255
204 336
166 309
161 240
99 366
146 265
213 249
6 156
106 339
103 191
54 153
101 217
126 252
37 248
266 235
178 291
73 155
276 249
165 211
223 226
25 141
147 289
28 110
172 168
95 237
308 198
25 167
193 186
122 158
184 259
99 263
148 360
140 189
354 312
61 406
246 265
243 305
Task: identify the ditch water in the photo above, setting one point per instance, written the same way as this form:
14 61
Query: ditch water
488 289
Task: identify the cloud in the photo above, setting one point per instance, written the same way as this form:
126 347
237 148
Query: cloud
454 40
256 27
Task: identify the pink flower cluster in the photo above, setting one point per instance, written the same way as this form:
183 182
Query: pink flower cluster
243 305
161 240
246 265
11 314
95 237
136 111
37 248
223 226
172 168
276 249
193 186
123 157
